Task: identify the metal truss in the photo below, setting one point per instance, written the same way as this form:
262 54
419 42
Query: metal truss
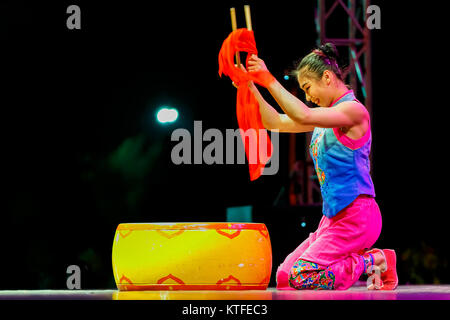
357 41
304 186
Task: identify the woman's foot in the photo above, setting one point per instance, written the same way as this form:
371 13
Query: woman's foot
386 261
374 265
379 260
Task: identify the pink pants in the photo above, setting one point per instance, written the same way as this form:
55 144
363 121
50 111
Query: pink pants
331 257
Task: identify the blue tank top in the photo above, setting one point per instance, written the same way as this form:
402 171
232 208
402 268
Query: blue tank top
342 165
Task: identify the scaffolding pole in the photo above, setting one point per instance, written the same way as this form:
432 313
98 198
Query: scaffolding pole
358 75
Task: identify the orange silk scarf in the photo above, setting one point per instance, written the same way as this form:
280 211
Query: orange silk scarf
247 107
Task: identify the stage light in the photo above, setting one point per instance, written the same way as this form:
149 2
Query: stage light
167 115
286 77
303 224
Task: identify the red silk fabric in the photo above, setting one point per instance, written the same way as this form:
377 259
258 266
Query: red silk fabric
259 149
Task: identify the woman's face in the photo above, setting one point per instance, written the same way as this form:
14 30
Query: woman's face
317 91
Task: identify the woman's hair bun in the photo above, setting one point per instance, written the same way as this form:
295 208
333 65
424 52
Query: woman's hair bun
329 50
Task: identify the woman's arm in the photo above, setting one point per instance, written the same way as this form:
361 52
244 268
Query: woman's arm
291 105
272 120
345 114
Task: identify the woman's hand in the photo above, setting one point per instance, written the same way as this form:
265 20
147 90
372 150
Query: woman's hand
256 64
251 85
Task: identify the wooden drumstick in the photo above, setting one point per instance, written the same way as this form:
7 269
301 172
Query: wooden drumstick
248 17
233 18
234 27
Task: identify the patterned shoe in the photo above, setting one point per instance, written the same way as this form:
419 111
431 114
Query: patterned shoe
389 278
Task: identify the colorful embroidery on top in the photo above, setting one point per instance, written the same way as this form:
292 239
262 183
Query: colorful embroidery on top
343 172
309 275
315 152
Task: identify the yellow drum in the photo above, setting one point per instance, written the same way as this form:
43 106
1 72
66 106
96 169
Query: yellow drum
192 256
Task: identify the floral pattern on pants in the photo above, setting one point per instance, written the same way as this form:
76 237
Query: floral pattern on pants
309 275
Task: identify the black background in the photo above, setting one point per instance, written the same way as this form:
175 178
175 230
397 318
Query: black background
75 101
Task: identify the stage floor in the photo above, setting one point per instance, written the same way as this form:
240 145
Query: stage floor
404 292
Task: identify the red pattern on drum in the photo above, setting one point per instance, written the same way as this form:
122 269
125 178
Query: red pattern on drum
229 235
170 276
264 232
230 277
169 235
126 234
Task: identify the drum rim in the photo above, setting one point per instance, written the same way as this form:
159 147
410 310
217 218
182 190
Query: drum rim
192 226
